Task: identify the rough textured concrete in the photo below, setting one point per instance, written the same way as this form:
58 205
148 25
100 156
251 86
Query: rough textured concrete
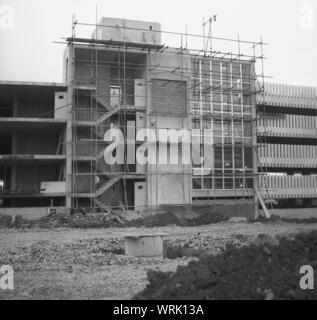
149 33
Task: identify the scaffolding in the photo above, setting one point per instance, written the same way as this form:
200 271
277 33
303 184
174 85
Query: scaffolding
213 91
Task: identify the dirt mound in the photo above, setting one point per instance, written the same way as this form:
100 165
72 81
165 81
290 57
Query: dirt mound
158 220
205 219
58 221
86 222
258 271
175 252
169 218
5 221
79 221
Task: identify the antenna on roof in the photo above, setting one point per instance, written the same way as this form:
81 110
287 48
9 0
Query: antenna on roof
96 14
186 44
209 37
74 22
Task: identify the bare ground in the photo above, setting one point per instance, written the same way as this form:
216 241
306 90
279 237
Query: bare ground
88 264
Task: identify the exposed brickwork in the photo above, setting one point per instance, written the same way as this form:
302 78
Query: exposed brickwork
168 97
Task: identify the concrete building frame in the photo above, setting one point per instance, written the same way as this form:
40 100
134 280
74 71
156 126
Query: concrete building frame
124 77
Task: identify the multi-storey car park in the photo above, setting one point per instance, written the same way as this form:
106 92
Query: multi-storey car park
260 138
287 139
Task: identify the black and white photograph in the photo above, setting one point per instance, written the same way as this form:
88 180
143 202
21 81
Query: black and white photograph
158 155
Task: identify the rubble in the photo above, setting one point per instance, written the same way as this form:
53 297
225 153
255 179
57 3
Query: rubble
98 221
5 221
262 270
238 220
202 244
80 221
64 256
77 221
89 263
158 220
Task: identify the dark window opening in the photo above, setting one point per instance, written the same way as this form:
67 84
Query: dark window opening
6 108
5 144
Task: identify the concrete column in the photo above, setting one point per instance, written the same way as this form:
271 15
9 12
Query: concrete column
149 178
69 135
14 146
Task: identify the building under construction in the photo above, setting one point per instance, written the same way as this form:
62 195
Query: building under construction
256 141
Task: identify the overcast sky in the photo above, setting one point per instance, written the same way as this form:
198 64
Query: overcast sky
27 51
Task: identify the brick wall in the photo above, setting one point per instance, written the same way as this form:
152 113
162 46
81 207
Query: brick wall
168 97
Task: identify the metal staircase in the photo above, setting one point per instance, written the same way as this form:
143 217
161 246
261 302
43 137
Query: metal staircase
109 212
106 116
102 206
107 185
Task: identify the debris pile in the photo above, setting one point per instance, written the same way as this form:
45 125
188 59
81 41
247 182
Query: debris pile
158 220
262 270
54 255
205 219
169 219
80 221
59 221
203 244
5 221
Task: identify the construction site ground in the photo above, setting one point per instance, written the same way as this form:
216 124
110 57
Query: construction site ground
65 263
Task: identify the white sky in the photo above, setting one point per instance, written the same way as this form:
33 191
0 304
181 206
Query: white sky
27 51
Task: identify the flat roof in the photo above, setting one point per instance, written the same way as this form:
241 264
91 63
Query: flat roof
116 43
22 89
30 124
29 159
35 84
26 195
